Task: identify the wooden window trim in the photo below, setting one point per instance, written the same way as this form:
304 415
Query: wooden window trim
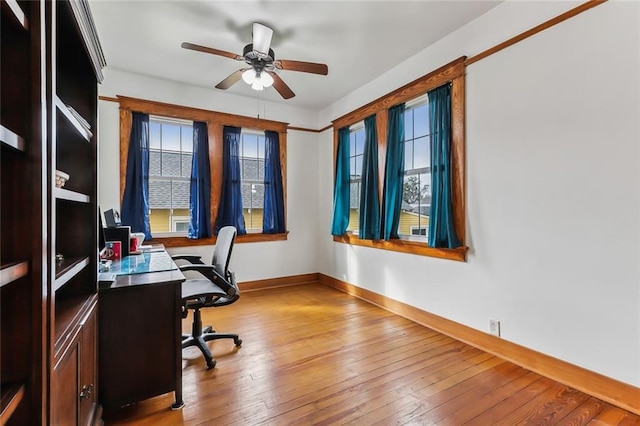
454 73
215 121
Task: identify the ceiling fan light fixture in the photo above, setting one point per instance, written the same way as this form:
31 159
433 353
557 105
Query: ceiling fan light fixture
249 76
258 81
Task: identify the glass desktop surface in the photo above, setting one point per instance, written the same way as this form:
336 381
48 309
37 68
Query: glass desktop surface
155 261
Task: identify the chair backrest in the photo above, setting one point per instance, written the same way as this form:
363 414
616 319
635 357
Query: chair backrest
223 248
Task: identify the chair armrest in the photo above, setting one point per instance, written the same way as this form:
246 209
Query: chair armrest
191 258
210 272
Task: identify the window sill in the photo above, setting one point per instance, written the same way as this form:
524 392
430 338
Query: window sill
405 246
188 242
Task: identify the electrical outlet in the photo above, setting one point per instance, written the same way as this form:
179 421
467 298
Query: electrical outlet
494 327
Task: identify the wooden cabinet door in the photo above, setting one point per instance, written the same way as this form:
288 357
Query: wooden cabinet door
88 375
64 398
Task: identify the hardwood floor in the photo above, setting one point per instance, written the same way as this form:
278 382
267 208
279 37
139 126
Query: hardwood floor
314 355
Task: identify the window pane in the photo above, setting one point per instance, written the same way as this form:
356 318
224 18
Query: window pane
359 142
411 191
352 166
180 194
408 124
159 194
352 143
421 153
249 169
182 226
249 145
358 166
261 147
154 134
187 138
408 155
154 163
170 137
354 195
170 164
186 165
421 120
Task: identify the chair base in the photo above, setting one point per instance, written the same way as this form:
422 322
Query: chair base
200 336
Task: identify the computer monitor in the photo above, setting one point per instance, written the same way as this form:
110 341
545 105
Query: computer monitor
102 241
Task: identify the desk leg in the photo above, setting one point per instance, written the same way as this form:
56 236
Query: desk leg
178 348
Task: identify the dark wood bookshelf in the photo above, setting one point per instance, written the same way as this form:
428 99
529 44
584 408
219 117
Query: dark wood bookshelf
48 117
12 272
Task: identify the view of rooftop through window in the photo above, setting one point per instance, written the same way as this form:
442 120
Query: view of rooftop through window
252 176
416 190
170 154
356 151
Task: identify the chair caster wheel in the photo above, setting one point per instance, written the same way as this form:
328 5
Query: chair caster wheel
238 342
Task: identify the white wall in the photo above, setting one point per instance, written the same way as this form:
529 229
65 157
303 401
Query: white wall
552 185
296 255
552 188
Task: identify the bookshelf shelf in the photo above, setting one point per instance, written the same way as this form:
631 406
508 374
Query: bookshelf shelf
11 139
68 195
14 9
12 272
74 118
12 395
67 269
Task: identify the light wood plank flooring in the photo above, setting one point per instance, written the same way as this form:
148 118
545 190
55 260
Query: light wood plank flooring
314 355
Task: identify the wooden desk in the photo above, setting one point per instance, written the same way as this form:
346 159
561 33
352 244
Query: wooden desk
139 335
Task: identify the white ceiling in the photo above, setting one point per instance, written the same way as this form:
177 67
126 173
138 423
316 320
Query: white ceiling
358 40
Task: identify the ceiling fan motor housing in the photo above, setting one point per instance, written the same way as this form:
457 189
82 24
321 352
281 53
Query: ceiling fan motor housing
259 61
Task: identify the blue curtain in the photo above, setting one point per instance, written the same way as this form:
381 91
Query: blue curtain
135 201
273 218
393 173
369 215
441 227
230 208
200 188
341 186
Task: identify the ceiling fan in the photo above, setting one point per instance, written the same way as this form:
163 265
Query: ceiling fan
262 63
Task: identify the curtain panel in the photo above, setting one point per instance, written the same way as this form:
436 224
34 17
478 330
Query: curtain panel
442 232
135 200
230 207
200 187
393 173
341 184
273 217
369 215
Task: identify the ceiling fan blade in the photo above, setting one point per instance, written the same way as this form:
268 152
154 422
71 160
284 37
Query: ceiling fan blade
231 80
281 87
311 67
211 50
261 38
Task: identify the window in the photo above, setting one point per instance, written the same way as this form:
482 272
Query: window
416 189
416 202
170 154
356 151
171 139
252 176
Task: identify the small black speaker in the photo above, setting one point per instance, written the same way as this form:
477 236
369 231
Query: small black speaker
112 218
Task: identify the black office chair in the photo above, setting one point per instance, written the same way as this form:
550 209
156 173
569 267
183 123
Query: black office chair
217 288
